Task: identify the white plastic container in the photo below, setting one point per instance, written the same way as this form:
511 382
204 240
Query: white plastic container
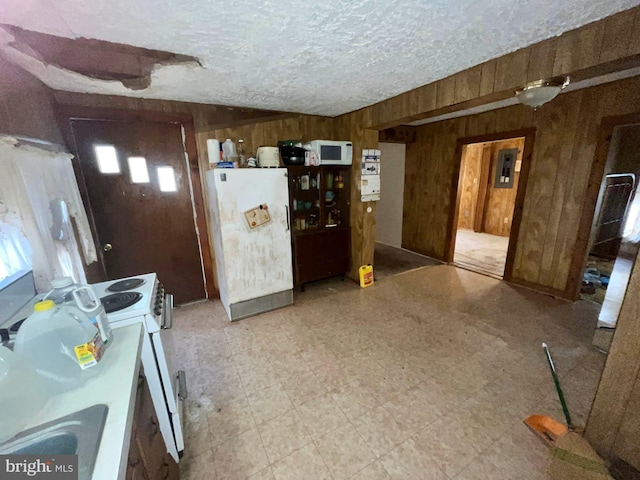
60 343
64 293
22 393
229 151
86 300
213 152
62 290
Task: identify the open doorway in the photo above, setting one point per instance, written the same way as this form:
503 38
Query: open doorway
487 189
614 241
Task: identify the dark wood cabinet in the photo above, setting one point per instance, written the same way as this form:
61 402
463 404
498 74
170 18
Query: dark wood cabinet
319 202
148 456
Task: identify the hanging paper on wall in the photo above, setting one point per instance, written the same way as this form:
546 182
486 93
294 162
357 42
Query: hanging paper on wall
370 171
370 188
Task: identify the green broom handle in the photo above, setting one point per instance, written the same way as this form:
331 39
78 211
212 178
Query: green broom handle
565 409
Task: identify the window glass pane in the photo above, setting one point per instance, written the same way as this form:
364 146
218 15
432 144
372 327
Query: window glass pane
138 169
167 179
107 158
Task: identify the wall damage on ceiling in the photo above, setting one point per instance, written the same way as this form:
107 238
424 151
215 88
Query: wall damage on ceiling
87 62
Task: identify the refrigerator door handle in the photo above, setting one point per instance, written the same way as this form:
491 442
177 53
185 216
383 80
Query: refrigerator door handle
288 220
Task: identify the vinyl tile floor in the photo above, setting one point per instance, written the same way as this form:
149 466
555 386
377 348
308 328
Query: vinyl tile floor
427 375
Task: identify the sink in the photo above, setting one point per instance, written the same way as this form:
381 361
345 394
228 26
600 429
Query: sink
76 434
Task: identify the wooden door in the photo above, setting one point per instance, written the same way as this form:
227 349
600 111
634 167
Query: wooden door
139 198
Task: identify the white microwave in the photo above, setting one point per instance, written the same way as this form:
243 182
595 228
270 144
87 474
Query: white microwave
331 152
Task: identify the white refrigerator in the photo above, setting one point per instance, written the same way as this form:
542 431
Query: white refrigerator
252 238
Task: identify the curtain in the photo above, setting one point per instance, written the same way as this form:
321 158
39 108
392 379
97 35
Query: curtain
39 197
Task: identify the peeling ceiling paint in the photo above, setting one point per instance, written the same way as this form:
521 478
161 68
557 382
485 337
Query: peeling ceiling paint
323 57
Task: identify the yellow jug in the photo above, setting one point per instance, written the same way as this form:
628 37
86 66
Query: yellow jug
366 275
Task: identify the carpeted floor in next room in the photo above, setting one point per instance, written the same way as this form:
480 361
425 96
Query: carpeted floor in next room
425 375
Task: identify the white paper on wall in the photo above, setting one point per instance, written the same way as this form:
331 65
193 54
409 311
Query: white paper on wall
370 188
370 181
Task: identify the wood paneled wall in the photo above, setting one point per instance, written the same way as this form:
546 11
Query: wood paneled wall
501 201
614 421
549 253
205 117
469 183
297 127
363 214
600 47
26 105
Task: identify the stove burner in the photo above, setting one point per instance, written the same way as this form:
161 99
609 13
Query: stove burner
123 285
118 301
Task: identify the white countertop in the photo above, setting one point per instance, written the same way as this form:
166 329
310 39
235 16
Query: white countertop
116 387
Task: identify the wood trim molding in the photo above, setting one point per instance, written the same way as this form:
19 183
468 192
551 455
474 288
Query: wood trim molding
65 113
452 223
421 251
554 292
518 208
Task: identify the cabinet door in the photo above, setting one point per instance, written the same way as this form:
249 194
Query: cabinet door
322 255
305 190
135 467
336 252
149 441
335 192
308 252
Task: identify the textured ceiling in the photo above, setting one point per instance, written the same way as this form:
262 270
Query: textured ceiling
322 57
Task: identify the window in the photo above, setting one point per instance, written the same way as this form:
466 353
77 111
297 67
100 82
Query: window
15 251
167 179
138 170
107 158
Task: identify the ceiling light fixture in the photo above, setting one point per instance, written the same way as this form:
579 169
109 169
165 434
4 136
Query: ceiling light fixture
539 92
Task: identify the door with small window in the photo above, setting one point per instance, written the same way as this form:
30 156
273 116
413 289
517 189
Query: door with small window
138 188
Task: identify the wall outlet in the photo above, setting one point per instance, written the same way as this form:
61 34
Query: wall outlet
506 219
466 213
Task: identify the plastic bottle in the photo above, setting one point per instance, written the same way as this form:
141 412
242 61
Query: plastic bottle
22 390
229 151
63 293
61 344
242 154
86 300
213 151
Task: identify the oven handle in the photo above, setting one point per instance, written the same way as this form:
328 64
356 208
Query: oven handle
167 313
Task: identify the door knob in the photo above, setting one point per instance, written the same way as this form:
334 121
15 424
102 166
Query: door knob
107 246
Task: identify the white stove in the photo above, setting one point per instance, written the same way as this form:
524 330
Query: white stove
153 307
152 297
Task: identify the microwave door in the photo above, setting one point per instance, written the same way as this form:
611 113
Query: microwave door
331 153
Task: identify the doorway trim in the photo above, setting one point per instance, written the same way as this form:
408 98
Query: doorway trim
605 134
66 113
529 141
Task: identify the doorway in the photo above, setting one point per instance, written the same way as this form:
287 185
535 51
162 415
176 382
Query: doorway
614 241
138 190
490 175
